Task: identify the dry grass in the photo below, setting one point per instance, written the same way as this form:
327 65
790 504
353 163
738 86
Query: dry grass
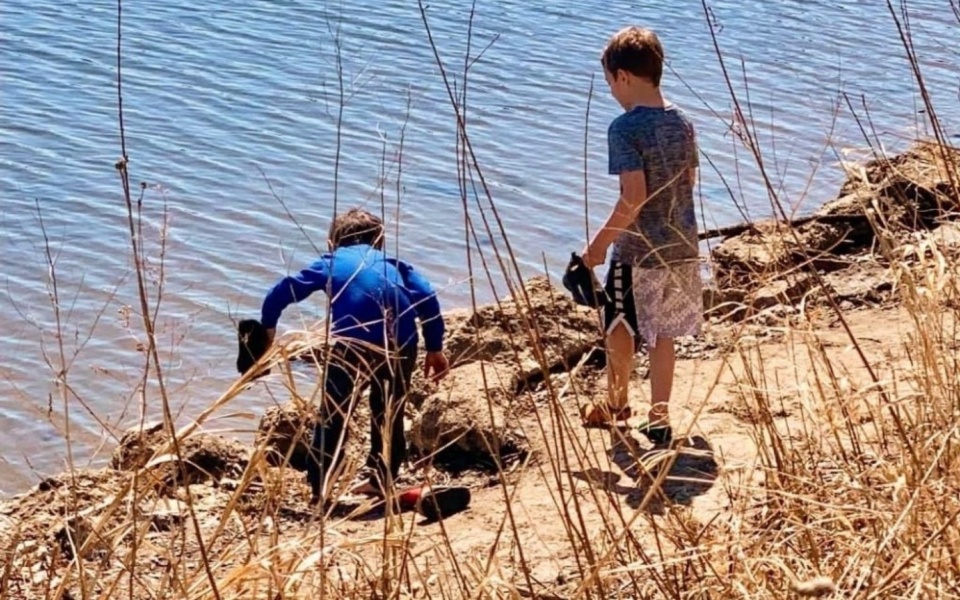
853 488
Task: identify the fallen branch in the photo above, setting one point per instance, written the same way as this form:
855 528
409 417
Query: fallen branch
732 230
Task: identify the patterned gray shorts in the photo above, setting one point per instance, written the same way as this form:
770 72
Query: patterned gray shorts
665 302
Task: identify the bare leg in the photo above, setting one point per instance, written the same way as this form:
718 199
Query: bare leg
662 361
619 365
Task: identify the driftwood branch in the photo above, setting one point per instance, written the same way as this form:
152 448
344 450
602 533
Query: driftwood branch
732 230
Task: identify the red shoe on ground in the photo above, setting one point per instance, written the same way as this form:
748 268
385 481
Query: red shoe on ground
435 502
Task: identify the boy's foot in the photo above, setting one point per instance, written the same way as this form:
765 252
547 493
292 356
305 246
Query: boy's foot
659 435
602 416
367 488
365 483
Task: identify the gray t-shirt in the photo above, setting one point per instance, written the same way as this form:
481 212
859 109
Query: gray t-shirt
661 142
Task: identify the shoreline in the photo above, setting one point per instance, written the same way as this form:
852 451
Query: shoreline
773 279
744 249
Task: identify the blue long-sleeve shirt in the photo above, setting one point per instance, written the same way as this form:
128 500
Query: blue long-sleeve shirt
375 299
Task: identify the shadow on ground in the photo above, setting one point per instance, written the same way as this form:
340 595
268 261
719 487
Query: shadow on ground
693 472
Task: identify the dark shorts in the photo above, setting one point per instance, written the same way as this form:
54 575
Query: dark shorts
620 306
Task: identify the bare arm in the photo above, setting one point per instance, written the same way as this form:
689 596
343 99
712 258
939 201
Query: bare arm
633 195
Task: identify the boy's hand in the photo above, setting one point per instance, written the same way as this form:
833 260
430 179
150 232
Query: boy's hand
593 257
271 333
435 366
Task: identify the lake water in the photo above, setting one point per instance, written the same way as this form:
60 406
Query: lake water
231 113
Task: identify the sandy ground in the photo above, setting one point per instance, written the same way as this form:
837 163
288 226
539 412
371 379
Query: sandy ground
574 482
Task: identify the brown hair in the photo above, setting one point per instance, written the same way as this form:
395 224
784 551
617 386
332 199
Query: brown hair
635 50
356 226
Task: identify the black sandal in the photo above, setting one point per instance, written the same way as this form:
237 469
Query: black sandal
252 338
659 435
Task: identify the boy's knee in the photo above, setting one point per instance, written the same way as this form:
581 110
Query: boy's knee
619 338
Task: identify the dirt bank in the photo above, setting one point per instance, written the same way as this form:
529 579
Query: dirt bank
846 250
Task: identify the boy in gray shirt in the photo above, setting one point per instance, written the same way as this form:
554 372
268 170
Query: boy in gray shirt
653 284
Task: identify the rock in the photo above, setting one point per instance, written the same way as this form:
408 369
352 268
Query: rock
911 189
77 533
863 283
907 193
817 237
206 457
501 333
784 292
464 423
287 429
725 303
754 252
167 514
770 249
854 203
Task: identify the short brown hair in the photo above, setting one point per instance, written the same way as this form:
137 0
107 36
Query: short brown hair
356 226
636 50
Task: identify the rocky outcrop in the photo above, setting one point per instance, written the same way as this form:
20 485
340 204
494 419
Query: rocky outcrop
285 433
465 424
206 457
542 324
497 352
903 201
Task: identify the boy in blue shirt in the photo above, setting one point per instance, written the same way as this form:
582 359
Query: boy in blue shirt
376 301
653 284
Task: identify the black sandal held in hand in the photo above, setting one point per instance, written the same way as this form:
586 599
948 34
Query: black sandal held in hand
582 284
252 338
